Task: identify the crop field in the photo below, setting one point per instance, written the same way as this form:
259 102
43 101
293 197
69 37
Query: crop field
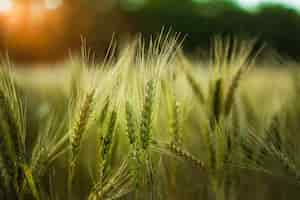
150 123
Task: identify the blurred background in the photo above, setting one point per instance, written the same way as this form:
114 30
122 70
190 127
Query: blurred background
35 31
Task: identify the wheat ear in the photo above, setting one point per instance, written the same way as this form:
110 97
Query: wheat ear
146 120
77 133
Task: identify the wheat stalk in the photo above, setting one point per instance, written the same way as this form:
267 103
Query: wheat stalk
191 80
229 101
217 103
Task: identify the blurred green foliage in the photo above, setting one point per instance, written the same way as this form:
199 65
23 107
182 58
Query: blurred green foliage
276 25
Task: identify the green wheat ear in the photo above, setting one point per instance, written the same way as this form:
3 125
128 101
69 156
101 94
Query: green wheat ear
134 152
130 124
107 139
14 141
185 155
12 136
77 132
106 146
146 119
7 152
175 127
81 125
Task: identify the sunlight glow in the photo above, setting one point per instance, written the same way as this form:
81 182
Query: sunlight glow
53 4
6 5
37 11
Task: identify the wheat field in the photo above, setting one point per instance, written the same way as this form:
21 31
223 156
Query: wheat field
151 123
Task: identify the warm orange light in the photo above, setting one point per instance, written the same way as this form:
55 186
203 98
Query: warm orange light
53 4
37 13
6 5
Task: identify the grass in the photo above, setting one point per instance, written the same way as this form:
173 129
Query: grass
149 123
